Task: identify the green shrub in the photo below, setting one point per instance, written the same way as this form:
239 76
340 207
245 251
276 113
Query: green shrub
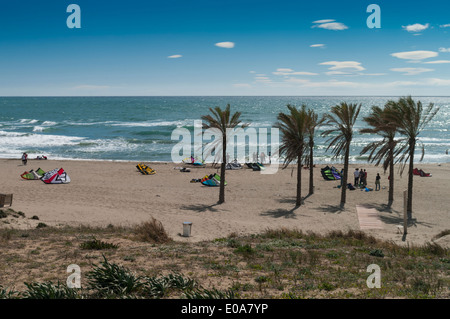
203 293
376 253
111 279
49 291
96 244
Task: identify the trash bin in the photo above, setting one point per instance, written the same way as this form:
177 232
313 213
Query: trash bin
187 229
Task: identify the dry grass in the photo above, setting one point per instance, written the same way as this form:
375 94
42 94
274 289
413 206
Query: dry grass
153 232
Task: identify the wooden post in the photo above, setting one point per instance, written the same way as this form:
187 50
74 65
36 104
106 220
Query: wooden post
405 212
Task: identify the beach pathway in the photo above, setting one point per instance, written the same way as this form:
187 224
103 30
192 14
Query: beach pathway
368 217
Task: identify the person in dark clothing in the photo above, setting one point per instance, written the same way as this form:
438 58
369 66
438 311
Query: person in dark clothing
377 182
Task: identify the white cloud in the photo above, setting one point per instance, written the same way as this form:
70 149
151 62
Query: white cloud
337 73
324 21
175 56
444 49
319 45
445 25
438 82
438 62
329 24
226 45
373 74
290 72
417 27
415 55
344 65
411 71
284 70
252 72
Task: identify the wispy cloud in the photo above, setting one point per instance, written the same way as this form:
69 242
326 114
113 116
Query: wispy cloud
437 62
329 24
411 71
319 45
344 65
290 72
415 55
445 25
417 27
175 56
226 45
444 49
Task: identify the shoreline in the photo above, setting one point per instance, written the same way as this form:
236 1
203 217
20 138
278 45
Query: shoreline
114 192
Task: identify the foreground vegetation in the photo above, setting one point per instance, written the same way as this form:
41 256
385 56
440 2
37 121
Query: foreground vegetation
278 263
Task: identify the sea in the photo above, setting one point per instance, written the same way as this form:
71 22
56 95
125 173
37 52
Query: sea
145 129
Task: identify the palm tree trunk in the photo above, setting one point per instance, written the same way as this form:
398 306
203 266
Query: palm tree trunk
311 170
344 182
410 178
391 176
298 201
222 171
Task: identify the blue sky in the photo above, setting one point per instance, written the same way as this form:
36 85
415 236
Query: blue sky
246 47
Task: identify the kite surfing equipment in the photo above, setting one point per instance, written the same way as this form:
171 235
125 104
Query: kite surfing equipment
56 176
212 180
184 169
193 161
421 173
43 157
330 173
32 175
255 166
145 170
234 165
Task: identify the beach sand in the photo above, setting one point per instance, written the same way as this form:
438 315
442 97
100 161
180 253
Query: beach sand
106 192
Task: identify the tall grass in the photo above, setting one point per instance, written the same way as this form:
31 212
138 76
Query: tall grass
152 231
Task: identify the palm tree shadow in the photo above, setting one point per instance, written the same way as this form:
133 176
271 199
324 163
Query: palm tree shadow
201 208
280 212
332 209
293 200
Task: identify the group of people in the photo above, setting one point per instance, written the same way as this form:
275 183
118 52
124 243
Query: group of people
361 179
25 158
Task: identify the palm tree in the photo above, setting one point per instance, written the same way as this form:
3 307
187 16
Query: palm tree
222 121
343 117
410 118
383 150
312 122
293 129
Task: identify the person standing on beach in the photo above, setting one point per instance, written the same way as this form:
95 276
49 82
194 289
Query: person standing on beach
361 177
365 178
263 158
377 182
24 158
356 173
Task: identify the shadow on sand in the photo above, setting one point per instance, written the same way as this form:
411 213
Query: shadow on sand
201 208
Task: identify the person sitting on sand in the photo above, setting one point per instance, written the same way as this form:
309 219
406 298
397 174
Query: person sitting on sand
377 182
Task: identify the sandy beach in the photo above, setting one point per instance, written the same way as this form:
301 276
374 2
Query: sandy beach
105 192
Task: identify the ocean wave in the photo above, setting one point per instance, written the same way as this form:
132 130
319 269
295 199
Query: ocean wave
28 121
151 124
